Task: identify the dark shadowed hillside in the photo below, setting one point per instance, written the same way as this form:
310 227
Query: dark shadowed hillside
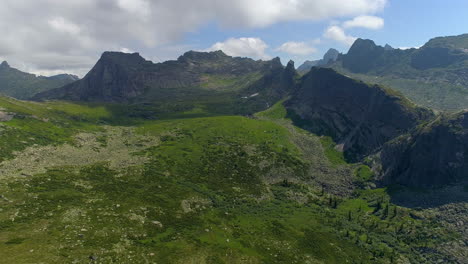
434 154
358 116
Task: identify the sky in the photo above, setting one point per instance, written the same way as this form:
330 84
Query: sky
55 36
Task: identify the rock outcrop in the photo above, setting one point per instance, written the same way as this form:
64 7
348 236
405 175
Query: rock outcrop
115 76
432 155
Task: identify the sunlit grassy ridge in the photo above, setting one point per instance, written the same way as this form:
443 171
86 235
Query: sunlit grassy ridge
221 189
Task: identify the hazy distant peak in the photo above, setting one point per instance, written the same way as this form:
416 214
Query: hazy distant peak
5 64
388 47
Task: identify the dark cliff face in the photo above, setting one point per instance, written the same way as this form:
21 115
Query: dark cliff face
432 155
360 118
275 85
115 76
121 77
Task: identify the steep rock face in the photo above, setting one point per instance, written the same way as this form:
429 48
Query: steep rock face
272 87
114 77
434 154
121 77
360 118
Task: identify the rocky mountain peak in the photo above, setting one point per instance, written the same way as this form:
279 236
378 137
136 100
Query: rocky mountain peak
5 64
203 56
362 45
121 58
330 56
362 55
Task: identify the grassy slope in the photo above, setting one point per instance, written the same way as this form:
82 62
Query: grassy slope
24 85
223 189
428 89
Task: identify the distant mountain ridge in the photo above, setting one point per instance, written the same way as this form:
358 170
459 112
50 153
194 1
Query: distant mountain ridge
434 75
22 85
330 56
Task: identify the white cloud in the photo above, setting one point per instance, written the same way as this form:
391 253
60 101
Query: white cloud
138 7
405 48
369 22
243 47
337 33
70 35
126 50
62 25
260 13
296 48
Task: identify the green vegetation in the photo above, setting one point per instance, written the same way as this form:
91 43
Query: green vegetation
277 111
335 156
23 85
436 95
228 82
431 76
186 189
364 173
452 42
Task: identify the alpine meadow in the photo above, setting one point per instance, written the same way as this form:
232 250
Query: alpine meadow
138 131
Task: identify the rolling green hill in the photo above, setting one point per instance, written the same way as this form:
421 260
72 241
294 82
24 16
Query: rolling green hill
81 183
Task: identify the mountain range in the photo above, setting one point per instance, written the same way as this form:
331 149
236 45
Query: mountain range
359 117
433 75
217 159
